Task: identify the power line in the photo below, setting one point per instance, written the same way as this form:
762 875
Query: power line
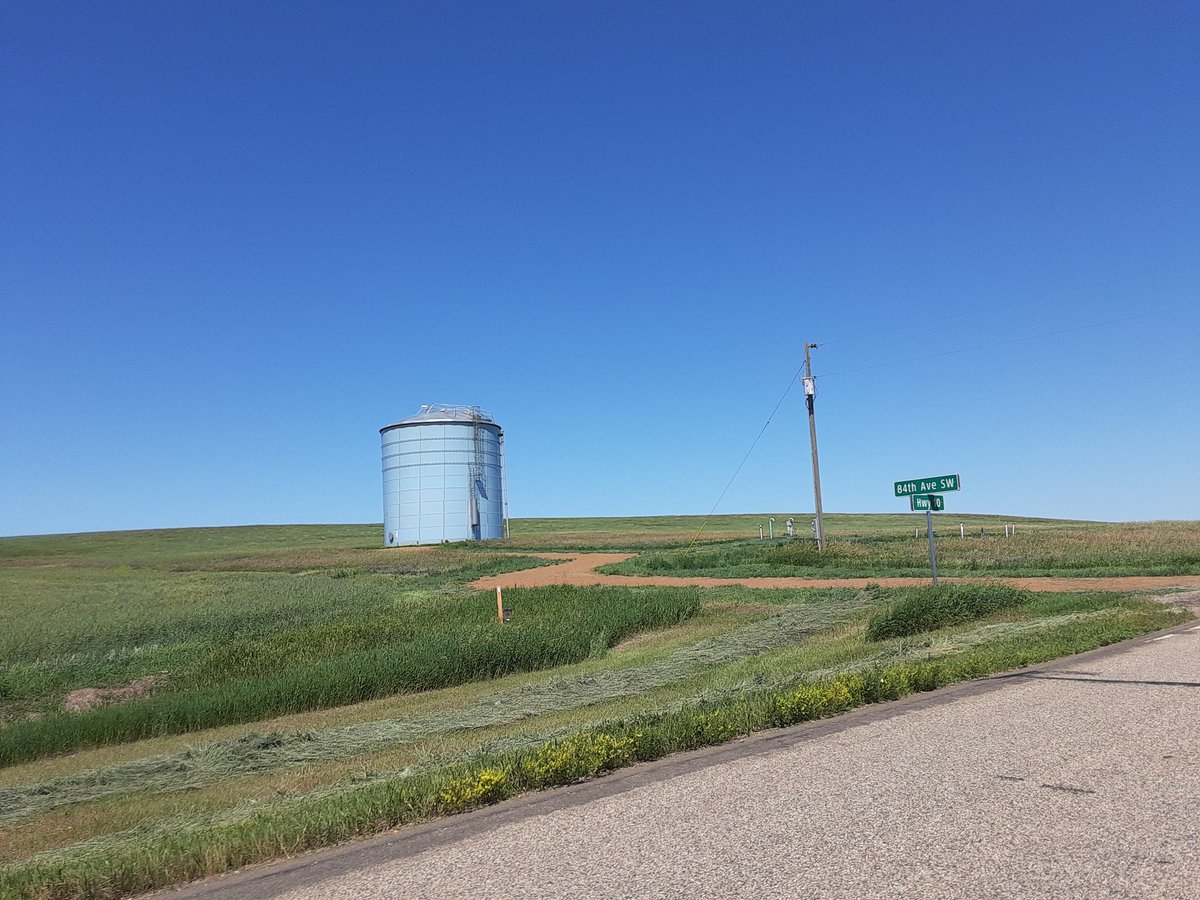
796 377
791 382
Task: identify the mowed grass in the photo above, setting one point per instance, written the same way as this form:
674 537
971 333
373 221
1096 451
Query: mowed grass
313 687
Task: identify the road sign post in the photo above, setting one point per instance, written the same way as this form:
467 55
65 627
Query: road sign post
926 494
932 552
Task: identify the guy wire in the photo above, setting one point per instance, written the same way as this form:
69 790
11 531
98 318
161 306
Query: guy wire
704 523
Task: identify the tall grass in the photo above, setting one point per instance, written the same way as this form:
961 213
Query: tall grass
440 644
929 608
68 628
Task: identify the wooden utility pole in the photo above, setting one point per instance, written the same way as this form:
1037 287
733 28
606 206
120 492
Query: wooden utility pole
810 394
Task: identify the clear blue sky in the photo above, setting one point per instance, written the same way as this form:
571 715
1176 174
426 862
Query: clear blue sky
238 238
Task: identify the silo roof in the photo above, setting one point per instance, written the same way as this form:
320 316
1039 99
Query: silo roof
432 413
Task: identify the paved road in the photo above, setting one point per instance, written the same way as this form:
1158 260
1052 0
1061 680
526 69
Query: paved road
579 569
1075 779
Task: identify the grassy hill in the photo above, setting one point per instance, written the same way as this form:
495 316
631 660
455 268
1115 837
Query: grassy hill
178 702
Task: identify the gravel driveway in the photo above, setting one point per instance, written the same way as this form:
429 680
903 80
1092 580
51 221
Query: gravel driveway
579 569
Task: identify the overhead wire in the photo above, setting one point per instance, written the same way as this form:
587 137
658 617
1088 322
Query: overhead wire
796 377
791 382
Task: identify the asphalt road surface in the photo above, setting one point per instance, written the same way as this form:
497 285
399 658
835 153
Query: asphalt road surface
1075 779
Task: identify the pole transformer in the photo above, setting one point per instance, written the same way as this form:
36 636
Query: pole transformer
810 394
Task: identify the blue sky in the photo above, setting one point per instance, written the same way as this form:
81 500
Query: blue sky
236 239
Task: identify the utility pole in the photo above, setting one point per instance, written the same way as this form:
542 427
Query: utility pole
810 394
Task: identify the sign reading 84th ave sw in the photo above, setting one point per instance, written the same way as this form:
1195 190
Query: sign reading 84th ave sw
935 485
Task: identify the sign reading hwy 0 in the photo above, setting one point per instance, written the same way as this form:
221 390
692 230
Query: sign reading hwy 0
922 502
928 485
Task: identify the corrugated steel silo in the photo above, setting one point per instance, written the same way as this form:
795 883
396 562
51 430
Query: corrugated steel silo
443 477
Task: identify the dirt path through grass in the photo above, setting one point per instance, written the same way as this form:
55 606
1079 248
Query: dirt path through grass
580 569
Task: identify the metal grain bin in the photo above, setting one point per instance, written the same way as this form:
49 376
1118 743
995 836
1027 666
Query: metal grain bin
443 477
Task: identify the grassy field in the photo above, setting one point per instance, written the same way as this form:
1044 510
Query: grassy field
642 533
301 685
1034 548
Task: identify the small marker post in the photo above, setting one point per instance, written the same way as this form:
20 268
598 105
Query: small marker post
499 605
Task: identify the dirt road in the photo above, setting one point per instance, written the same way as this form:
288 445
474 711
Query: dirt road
579 569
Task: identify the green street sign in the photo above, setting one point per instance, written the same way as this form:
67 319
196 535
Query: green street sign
931 502
928 485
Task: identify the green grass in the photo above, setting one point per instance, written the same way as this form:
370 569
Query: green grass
629 677
666 532
917 610
417 646
63 629
181 849
332 687
190 548
1041 549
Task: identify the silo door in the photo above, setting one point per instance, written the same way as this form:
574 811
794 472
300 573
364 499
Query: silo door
474 517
